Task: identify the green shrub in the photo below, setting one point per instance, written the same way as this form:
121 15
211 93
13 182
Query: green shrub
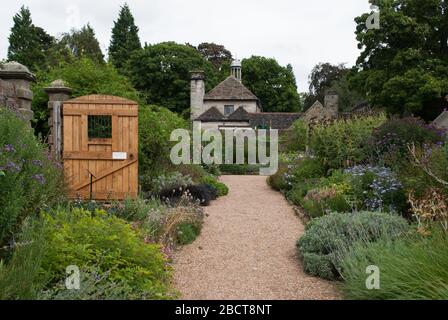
239 169
413 268
328 238
133 210
84 77
29 179
84 239
307 168
195 171
294 139
390 141
416 179
96 285
155 127
299 191
21 277
187 233
220 187
112 247
170 181
344 143
277 181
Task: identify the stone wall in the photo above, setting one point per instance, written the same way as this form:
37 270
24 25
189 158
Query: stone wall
8 95
15 89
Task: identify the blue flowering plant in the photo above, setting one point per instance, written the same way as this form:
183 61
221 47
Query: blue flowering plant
376 188
29 178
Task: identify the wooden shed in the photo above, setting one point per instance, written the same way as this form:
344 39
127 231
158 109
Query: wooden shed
100 147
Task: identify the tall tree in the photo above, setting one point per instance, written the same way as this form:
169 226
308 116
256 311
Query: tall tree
403 65
28 44
83 43
215 53
162 73
272 83
125 40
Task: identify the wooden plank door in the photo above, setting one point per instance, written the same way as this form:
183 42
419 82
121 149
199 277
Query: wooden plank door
101 168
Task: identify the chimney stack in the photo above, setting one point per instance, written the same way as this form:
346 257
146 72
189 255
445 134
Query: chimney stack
197 93
331 102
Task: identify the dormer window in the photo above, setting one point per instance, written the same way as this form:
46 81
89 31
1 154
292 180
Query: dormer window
228 110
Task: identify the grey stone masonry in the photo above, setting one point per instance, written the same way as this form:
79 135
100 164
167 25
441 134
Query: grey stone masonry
15 89
197 93
57 92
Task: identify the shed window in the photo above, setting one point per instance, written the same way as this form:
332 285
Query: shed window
100 127
228 110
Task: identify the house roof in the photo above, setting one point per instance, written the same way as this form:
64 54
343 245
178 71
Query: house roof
211 114
274 120
239 115
230 89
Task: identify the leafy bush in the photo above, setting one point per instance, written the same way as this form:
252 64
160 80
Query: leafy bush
413 268
426 171
327 239
307 168
390 141
155 127
277 181
170 182
96 285
21 276
296 138
84 77
195 171
133 209
187 233
126 266
240 169
343 144
220 187
162 225
325 199
29 179
82 238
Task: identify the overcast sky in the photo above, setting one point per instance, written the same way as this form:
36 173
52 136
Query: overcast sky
300 32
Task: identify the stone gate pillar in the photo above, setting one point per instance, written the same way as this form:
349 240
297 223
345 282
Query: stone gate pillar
20 78
57 92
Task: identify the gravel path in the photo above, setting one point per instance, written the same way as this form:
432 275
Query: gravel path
247 250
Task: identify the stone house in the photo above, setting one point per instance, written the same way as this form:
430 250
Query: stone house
231 105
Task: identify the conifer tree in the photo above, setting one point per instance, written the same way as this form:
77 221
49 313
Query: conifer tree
28 44
83 43
125 40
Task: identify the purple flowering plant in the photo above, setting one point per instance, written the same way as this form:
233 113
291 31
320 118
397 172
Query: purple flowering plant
376 188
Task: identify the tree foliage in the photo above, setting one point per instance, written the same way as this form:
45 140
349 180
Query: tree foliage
404 64
272 83
83 43
323 77
85 77
162 73
28 44
125 40
215 53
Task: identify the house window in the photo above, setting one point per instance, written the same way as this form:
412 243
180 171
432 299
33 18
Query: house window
228 110
100 127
